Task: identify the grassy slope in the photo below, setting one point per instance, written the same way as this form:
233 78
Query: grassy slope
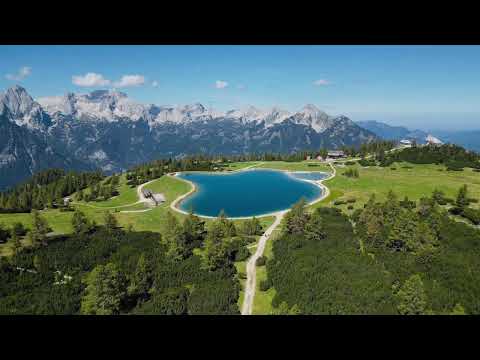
295 166
415 183
240 165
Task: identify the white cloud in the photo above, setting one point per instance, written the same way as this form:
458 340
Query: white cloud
90 80
155 83
22 73
220 84
321 82
130 80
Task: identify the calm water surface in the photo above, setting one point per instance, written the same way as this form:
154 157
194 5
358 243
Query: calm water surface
248 193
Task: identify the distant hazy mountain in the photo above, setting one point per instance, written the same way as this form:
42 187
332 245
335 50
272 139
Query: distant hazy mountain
468 139
390 132
107 130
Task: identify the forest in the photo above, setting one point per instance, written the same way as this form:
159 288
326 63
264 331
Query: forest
452 156
391 257
106 270
46 189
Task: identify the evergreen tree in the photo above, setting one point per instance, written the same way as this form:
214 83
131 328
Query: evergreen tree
141 280
110 221
462 197
16 245
215 254
296 218
403 232
412 299
105 291
40 229
80 223
314 229
194 228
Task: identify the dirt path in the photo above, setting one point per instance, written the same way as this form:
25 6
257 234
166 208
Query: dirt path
250 284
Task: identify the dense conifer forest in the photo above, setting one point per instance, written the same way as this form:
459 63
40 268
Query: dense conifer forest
107 270
392 257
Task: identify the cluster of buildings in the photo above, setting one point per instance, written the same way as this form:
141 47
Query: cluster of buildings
331 155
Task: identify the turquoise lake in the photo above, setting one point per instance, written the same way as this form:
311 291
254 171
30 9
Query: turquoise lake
248 193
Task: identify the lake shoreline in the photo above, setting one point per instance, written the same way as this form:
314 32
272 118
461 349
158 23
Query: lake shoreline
318 183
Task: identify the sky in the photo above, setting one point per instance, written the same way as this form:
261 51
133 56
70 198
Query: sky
421 87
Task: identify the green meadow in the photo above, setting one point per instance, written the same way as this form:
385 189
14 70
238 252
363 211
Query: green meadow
412 180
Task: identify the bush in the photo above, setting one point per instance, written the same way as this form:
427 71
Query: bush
242 254
365 162
349 162
261 261
242 275
351 200
265 285
393 168
350 207
455 210
339 202
471 214
19 229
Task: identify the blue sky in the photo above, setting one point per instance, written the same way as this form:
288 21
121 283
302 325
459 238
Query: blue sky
427 87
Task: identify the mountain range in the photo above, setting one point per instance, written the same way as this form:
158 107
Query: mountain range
107 130
390 132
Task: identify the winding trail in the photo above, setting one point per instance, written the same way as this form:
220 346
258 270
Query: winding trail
250 284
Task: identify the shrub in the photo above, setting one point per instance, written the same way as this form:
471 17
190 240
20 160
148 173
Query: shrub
351 200
350 207
393 168
339 202
455 210
349 162
261 261
265 285
242 254
471 214
242 275
19 229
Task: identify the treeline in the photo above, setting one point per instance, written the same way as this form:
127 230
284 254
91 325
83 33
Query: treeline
105 270
46 189
101 191
453 156
398 257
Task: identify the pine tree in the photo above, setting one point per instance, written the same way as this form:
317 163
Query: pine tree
412 299
16 245
110 221
462 197
296 218
402 232
215 254
141 280
80 223
314 229
105 291
40 229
